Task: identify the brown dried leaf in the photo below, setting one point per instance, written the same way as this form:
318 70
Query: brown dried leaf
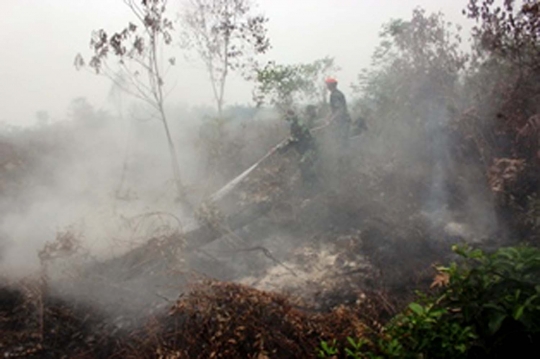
441 280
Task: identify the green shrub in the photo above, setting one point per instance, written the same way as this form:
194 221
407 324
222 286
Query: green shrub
497 294
488 307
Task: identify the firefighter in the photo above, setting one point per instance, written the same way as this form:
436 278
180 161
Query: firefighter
311 116
339 114
340 122
305 145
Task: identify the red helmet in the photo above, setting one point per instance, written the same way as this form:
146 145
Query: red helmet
330 80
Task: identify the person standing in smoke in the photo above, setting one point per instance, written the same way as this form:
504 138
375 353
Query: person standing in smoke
305 145
311 116
339 118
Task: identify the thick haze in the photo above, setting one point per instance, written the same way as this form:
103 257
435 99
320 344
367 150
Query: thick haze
39 40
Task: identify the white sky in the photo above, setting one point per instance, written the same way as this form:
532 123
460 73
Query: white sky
40 38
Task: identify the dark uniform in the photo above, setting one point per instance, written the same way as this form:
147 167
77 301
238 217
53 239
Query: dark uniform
305 145
340 114
311 116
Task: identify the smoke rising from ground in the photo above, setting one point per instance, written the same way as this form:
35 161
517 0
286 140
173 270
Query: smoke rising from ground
94 171
403 196
94 174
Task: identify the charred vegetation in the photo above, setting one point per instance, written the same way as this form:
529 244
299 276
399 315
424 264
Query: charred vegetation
260 264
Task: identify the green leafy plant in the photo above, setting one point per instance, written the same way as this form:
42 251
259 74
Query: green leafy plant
427 330
488 302
327 349
285 85
360 349
497 294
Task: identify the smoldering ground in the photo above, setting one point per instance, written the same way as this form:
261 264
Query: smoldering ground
109 184
80 173
402 197
119 265
106 181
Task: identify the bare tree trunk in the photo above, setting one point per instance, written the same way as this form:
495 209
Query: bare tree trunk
158 94
223 78
181 195
218 95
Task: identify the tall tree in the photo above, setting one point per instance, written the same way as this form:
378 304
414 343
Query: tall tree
504 88
140 63
226 35
509 29
412 93
415 71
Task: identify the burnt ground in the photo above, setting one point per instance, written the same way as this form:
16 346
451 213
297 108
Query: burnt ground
319 264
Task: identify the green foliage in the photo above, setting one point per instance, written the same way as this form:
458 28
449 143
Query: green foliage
496 291
327 349
358 349
489 303
355 349
425 329
284 85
